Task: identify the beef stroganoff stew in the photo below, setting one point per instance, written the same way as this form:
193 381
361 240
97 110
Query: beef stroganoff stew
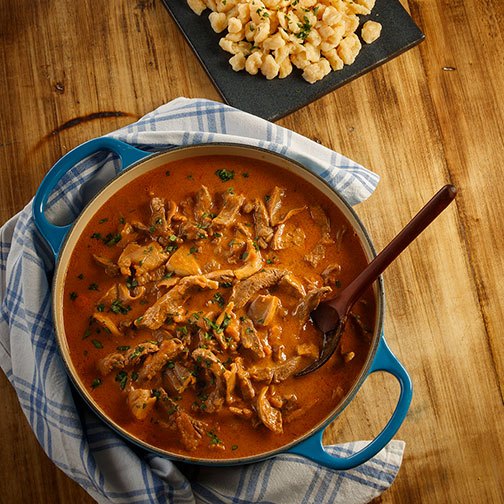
186 307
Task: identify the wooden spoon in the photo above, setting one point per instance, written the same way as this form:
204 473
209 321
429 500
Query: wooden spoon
331 316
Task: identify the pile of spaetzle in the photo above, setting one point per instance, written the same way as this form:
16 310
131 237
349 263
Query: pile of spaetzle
272 36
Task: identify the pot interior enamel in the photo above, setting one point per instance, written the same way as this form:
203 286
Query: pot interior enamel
132 174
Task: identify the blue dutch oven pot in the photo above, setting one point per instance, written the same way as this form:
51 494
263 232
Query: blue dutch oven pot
136 162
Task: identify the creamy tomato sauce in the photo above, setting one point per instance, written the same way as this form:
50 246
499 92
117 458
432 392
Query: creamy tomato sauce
187 301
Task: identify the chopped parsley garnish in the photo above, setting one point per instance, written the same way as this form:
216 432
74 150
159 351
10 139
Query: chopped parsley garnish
73 295
182 330
193 250
100 307
234 447
101 221
214 439
93 286
118 307
138 350
122 379
225 322
96 236
123 348
305 28
219 299
87 333
97 343
225 175
211 324
111 239
131 282
80 276
96 383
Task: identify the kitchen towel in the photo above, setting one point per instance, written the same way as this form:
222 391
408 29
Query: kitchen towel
108 468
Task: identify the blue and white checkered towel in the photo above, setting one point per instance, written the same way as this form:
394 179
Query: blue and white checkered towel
107 467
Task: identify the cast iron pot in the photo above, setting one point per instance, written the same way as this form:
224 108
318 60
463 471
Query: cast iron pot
62 240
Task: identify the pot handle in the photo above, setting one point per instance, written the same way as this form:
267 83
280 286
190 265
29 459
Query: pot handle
312 447
54 235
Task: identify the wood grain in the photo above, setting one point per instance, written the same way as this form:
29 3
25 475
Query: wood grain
434 115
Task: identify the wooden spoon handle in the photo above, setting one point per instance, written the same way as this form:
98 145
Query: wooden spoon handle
420 221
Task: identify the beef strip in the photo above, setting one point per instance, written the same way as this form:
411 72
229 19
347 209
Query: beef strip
322 221
253 261
293 286
263 309
172 302
120 360
107 323
217 396
274 204
183 263
159 225
177 378
111 269
166 403
263 230
269 416
203 205
208 359
155 362
217 390
190 430
283 239
250 339
246 388
310 302
230 377
227 215
277 373
140 403
122 293
192 231
244 290
128 234
143 258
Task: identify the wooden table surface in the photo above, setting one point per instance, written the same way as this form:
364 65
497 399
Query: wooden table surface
432 116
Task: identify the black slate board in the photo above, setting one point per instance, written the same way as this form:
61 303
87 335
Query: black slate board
279 97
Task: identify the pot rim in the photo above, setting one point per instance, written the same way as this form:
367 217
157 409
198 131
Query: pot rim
269 156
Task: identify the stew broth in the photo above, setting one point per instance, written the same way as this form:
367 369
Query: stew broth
187 300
